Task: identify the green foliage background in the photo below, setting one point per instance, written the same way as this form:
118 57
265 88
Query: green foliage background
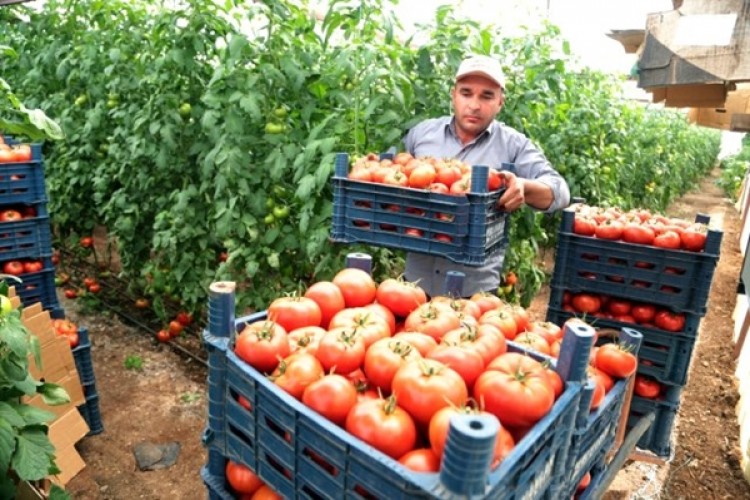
177 185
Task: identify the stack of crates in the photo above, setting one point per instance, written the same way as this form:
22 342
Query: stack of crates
677 281
27 240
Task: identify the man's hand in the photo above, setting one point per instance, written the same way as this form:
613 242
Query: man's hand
514 196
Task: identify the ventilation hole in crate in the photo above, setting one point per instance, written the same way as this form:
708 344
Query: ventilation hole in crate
444 217
644 265
321 462
615 279
641 284
361 223
670 289
674 270
277 466
444 238
614 261
388 227
311 493
277 429
240 434
391 207
363 493
587 275
362 203
589 256
415 211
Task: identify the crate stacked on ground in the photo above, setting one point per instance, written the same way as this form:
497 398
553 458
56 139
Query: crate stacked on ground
25 236
462 225
661 291
300 454
90 409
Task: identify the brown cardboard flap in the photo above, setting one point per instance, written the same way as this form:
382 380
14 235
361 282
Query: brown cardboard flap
57 361
72 385
699 96
68 429
70 463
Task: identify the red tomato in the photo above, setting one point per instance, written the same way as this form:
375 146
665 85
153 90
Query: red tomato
584 482
384 358
95 288
466 361
265 492
333 396
440 424
175 328
600 391
487 301
401 297
586 303
70 293
515 389
694 237
584 225
294 312
619 307
448 175
667 239
296 372
86 242
422 176
14 267
463 307
261 345
357 287
502 319
383 425
550 331
521 317
305 339
616 360
636 233
423 387
369 323
385 313
420 460
554 379
669 321
72 339
609 230
485 339
533 341
643 313
185 318
421 341
342 350
646 387
241 478
329 298
433 319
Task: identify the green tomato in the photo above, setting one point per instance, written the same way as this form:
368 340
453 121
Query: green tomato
281 212
111 103
270 203
269 219
81 100
185 109
279 191
5 306
280 112
274 128
606 170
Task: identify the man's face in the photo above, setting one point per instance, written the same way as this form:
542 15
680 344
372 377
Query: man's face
476 102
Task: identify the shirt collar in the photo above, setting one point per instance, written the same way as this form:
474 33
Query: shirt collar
450 126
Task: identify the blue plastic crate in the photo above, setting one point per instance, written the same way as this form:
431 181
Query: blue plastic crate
665 356
82 357
678 279
658 438
23 182
298 452
595 431
464 229
92 415
214 477
25 238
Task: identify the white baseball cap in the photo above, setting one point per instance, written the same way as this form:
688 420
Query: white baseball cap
484 66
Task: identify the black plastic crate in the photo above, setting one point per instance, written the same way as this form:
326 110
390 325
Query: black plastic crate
92 415
677 279
465 229
658 438
82 357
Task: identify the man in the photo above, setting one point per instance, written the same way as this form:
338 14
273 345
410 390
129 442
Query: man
473 135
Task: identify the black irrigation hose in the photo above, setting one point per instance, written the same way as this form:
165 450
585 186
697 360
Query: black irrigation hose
74 264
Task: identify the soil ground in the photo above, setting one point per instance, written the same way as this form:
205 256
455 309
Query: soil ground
165 400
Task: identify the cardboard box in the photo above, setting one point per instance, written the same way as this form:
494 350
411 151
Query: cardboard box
732 115
57 361
72 385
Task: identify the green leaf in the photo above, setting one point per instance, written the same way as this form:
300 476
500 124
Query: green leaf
33 415
7 443
53 394
32 460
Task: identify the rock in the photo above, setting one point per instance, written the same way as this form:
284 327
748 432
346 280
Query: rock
151 456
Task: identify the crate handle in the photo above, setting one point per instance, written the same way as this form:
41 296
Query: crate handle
468 454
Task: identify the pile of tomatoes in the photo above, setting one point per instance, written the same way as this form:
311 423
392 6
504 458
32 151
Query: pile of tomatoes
620 309
448 176
639 226
20 153
68 329
391 367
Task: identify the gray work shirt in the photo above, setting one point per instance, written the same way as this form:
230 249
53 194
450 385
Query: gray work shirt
498 144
